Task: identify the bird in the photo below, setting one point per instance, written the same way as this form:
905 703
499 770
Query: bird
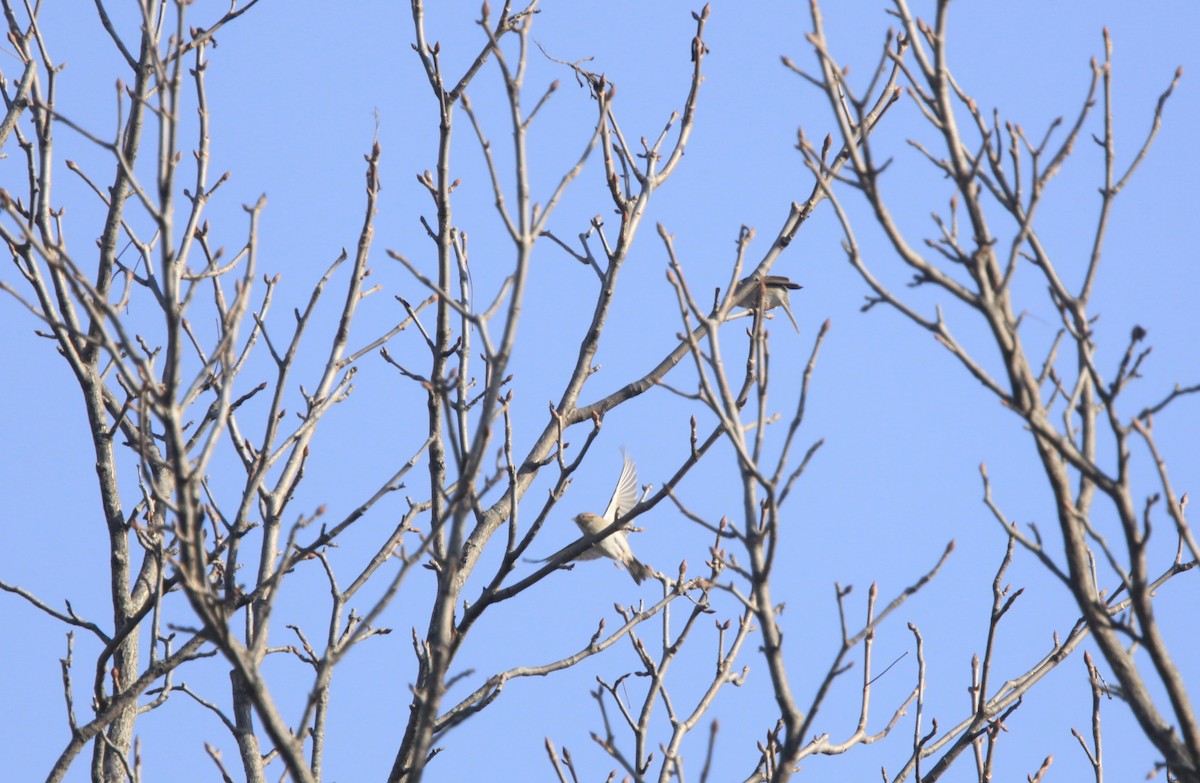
615 545
772 290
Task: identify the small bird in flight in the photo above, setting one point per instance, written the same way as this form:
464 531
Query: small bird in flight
615 545
771 290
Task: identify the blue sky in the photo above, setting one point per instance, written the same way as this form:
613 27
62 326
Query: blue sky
296 93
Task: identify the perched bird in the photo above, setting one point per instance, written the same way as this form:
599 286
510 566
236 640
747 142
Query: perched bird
771 290
616 545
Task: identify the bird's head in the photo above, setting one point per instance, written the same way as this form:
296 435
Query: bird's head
591 523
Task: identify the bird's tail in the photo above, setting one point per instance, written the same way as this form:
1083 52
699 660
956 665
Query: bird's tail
787 309
638 570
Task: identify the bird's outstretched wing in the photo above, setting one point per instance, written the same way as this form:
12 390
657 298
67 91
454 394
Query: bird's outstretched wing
625 496
782 282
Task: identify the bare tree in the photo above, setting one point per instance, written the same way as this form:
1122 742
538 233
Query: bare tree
159 327
999 176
